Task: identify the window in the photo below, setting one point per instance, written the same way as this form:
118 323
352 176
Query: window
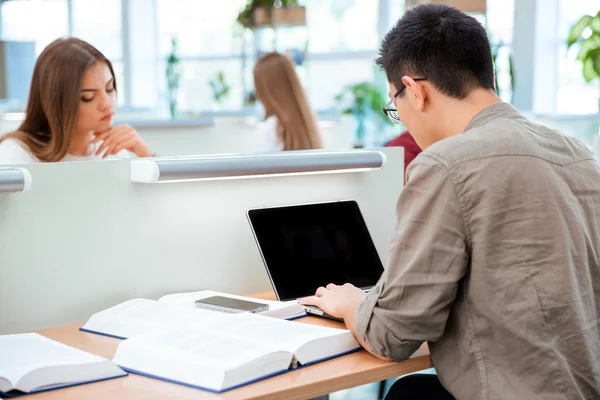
574 96
212 42
500 25
341 35
335 44
99 23
199 30
396 11
40 21
341 25
209 42
195 92
324 79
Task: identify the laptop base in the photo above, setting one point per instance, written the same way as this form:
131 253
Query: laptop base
316 311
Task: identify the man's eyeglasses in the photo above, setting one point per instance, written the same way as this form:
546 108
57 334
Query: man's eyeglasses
392 113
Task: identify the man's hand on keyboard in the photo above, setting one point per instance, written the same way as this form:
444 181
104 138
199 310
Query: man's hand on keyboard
342 302
339 301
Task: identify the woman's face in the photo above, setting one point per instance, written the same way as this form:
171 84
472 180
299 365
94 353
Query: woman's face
98 100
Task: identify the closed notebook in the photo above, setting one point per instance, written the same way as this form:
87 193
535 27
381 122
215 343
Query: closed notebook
31 363
231 350
139 316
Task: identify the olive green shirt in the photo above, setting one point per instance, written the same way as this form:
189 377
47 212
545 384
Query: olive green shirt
495 262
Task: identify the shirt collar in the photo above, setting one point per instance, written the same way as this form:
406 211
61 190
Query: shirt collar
489 113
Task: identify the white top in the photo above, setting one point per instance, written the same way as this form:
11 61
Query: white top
270 140
12 151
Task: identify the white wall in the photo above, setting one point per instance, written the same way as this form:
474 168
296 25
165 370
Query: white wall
85 237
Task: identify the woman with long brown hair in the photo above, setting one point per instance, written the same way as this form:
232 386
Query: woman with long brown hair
70 109
290 120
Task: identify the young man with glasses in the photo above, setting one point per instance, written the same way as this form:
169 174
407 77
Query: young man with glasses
495 261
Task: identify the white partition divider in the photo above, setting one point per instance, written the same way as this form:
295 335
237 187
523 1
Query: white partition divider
243 166
85 237
14 180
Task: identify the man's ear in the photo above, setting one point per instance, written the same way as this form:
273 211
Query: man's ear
416 90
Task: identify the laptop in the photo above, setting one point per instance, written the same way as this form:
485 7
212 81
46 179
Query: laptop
310 245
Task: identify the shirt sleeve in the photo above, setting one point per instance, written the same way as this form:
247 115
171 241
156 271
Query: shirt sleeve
428 256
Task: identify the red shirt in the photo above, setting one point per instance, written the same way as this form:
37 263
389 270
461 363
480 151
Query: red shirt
411 148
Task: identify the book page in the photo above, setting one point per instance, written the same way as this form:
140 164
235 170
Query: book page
286 335
277 309
24 353
230 350
5 385
200 357
197 345
140 316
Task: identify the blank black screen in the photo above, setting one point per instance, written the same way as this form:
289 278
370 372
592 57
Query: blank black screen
308 246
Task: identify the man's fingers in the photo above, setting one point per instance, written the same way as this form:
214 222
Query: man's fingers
320 291
310 301
331 286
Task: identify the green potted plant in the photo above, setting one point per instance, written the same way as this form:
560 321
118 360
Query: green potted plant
586 32
220 88
271 12
365 102
173 77
589 50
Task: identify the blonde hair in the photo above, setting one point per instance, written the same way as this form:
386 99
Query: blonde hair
54 97
279 90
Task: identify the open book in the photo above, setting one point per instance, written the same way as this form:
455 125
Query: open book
31 363
139 316
277 309
231 350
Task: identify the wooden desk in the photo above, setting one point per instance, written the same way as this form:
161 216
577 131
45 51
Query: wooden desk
316 380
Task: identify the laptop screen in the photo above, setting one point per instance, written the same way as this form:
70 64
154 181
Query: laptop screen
307 246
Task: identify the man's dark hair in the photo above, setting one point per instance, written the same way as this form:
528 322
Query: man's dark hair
442 44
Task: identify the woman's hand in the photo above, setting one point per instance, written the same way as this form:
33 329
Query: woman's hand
121 137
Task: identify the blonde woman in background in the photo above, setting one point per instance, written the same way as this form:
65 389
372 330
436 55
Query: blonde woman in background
291 123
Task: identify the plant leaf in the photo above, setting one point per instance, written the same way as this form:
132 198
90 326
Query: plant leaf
595 23
578 29
589 46
596 62
589 73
